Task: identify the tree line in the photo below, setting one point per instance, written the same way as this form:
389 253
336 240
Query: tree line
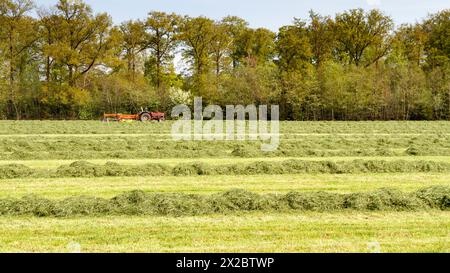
68 62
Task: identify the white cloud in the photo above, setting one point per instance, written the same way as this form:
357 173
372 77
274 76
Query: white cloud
373 2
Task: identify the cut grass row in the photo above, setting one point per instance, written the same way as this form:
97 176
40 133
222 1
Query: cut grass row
168 135
147 147
280 231
108 187
95 127
176 204
112 169
254 232
217 153
54 164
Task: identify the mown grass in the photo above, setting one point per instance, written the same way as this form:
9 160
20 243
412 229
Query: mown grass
108 187
249 232
176 204
93 140
113 169
351 154
54 164
149 146
312 127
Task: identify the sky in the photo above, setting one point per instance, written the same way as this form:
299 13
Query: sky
270 14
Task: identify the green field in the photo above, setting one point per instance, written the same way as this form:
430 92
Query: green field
53 161
256 232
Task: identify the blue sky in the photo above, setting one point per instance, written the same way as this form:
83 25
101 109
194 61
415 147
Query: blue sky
262 13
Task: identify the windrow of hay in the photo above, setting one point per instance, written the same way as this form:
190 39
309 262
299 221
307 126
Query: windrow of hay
112 169
15 171
85 169
90 146
177 204
307 127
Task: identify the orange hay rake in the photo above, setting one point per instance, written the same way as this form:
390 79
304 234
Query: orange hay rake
142 116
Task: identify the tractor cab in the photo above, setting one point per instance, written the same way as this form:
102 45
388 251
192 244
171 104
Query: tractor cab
146 115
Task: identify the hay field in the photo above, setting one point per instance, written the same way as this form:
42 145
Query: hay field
127 187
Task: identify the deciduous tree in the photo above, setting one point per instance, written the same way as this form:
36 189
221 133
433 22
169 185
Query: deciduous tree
362 38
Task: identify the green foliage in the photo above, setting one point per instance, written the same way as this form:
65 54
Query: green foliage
251 85
77 52
162 31
293 47
361 37
71 63
198 34
255 46
438 42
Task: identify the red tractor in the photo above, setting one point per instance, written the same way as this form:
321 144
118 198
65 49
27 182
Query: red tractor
144 115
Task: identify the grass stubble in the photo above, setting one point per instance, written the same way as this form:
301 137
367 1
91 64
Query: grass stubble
387 183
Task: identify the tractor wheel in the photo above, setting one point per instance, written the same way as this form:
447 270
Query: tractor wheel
145 117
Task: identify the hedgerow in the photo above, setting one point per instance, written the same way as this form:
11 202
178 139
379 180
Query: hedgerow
177 204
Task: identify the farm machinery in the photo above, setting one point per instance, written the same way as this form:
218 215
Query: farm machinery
143 116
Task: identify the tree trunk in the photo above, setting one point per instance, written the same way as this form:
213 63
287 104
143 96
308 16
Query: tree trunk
48 62
158 65
448 115
12 95
71 82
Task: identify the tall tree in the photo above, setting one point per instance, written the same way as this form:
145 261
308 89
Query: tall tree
17 34
162 39
48 33
293 47
221 47
410 42
198 34
362 38
438 43
320 37
82 40
236 27
133 42
438 60
255 46
294 59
